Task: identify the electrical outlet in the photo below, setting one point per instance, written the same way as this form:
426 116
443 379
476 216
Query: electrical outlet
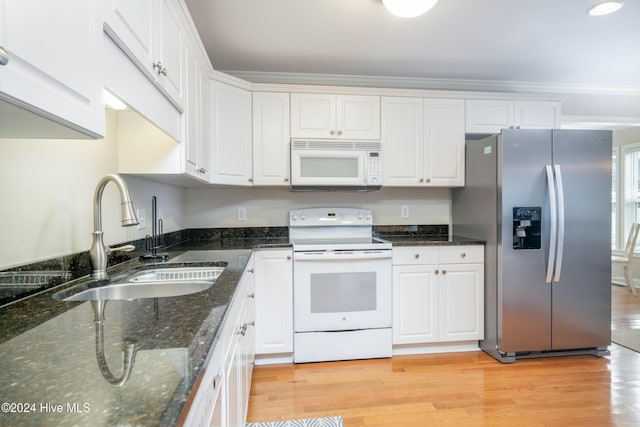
404 211
142 219
242 214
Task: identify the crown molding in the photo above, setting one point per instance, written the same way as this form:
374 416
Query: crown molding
425 83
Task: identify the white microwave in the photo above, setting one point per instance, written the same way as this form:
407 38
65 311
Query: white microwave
335 165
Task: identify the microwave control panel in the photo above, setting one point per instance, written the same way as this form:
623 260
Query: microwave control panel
374 167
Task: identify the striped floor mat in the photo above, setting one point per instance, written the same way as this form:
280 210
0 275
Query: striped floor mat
309 422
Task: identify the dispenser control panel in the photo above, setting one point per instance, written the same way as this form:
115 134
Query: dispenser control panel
527 227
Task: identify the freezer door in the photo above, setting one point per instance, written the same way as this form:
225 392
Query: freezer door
581 315
524 297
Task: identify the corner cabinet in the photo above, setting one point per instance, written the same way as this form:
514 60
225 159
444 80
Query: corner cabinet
51 70
438 294
231 156
423 141
491 116
274 305
152 35
331 116
271 138
222 397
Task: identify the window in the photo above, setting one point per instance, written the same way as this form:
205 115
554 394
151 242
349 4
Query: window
630 181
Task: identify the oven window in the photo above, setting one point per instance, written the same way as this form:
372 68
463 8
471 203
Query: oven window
330 167
343 292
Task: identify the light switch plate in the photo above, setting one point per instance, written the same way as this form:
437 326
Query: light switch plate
242 214
404 211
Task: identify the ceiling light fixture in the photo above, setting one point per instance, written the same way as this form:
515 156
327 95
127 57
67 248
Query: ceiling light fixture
605 7
408 8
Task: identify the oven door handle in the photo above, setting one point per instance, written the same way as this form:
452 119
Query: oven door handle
340 255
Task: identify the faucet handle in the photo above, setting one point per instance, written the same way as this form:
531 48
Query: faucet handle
125 248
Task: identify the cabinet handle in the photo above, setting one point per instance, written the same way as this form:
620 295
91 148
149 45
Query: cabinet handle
250 270
416 256
252 295
158 67
333 132
250 179
242 330
202 170
286 180
339 132
252 323
4 56
216 381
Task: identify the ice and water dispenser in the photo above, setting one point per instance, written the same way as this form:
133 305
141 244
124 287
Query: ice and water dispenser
526 227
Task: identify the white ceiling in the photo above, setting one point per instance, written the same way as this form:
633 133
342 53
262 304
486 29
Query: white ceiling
535 46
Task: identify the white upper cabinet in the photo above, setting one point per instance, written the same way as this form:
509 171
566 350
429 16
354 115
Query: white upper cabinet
491 116
423 141
197 156
151 33
271 138
231 156
51 67
335 116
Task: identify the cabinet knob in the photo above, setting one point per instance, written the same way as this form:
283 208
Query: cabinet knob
202 170
157 66
4 56
436 271
333 132
250 179
428 180
444 272
421 179
252 295
288 257
462 255
286 180
339 132
416 256
250 270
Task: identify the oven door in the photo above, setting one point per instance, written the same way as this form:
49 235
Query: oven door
342 290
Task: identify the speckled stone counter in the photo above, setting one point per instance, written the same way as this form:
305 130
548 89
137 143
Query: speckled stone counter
50 373
418 240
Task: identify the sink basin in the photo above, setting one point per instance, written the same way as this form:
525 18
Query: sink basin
150 283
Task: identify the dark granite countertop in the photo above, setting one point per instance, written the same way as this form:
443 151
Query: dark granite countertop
422 240
50 371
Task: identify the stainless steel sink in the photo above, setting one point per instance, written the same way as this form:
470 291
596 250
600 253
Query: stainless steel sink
150 283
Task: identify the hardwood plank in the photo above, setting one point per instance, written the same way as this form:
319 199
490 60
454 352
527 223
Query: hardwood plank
470 389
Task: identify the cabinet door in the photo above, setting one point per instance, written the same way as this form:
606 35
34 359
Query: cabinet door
313 115
271 138
488 116
402 141
132 25
170 52
358 117
55 61
196 150
444 130
233 391
415 304
537 115
274 302
461 294
231 135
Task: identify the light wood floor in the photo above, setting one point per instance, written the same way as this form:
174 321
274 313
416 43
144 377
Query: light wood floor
461 389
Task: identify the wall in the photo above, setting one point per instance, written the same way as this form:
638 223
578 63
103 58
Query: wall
269 206
47 189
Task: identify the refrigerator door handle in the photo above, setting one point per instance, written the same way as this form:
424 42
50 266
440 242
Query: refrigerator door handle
554 221
560 190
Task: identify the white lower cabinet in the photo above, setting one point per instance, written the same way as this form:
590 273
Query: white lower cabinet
274 303
438 294
222 398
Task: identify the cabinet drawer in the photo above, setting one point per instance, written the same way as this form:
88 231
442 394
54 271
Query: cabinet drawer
461 254
415 255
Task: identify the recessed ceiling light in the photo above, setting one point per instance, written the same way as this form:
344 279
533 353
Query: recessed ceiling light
408 8
605 7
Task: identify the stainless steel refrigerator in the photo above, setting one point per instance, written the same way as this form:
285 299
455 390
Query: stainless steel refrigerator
541 199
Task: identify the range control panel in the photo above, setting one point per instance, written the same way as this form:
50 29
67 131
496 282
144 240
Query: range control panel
330 217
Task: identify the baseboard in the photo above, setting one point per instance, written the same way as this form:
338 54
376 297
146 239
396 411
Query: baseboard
273 359
438 347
